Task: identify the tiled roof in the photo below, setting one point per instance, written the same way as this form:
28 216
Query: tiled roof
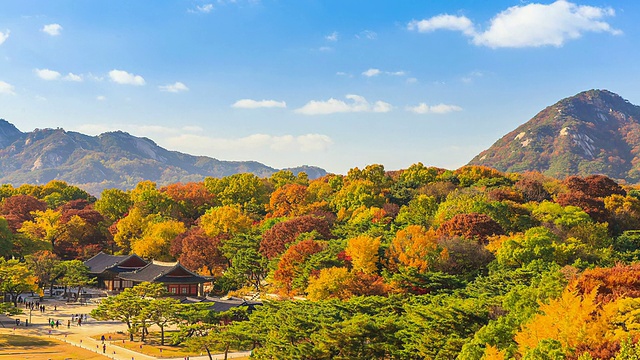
158 271
101 262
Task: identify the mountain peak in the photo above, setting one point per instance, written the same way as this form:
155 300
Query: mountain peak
8 133
593 132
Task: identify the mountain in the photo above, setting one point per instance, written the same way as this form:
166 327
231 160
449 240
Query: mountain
593 132
110 160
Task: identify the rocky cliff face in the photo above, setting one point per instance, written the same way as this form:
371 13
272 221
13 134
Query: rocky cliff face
593 132
110 160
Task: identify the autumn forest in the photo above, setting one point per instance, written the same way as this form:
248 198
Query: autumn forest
421 263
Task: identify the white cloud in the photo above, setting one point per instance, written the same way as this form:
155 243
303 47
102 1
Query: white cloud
325 48
531 25
46 74
101 98
423 108
255 142
332 37
332 106
174 88
187 139
375 72
367 34
4 36
412 80
443 22
73 77
471 76
6 88
397 73
123 77
254 104
52 29
204 9
371 72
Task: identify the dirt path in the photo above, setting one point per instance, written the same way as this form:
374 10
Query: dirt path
81 335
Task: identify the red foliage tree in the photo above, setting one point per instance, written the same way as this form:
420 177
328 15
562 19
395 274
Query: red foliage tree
601 186
532 190
361 284
274 240
612 283
192 200
80 240
592 206
470 226
195 250
17 209
292 261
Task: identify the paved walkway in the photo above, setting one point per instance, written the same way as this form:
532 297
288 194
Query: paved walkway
81 336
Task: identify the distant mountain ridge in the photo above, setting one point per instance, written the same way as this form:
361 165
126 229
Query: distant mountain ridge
593 132
110 160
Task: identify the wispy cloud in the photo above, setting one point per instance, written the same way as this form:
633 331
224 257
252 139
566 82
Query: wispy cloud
50 75
101 98
4 36
46 74
423 108
189 138
52 29
375 72
255 142
530 25
125 78
357 104
174 88
204 9
366 34
254 104
73 77
6 88
471 76
332 37
371 72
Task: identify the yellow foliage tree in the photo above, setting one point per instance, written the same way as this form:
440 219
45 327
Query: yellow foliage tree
156 240
571 319
331 282
130 229
45 226
492 353
228 219
363 251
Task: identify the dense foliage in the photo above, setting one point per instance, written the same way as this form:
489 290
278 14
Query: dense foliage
422 263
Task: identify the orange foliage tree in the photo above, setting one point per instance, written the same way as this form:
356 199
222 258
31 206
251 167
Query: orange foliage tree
415 247
291 264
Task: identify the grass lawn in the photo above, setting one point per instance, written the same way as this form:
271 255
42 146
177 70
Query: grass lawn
32 347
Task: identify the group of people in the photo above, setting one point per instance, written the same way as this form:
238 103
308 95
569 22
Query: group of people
31 305
77 318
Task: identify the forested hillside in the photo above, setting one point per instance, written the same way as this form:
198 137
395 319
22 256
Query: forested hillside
593 132
422 263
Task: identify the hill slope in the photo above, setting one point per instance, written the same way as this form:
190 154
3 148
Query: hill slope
593 132
114 159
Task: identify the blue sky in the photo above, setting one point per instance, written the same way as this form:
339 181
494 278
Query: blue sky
336 84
